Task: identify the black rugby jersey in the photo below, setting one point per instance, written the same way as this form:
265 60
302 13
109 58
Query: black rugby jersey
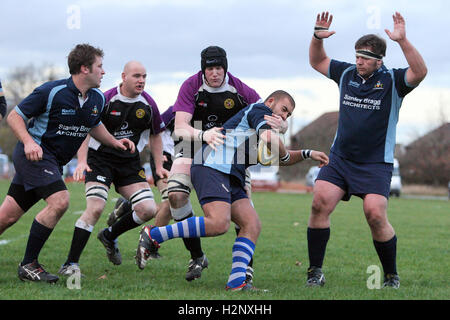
131 118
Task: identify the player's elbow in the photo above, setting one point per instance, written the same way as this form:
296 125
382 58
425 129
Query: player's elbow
423 73
417 74
417 77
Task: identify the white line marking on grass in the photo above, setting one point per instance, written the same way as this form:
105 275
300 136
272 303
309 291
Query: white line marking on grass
6 241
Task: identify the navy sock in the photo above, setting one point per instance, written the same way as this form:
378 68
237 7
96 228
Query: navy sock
317 243
36 240
387 252
79 241
193 245
123 225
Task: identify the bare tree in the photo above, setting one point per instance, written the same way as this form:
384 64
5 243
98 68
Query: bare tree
18 84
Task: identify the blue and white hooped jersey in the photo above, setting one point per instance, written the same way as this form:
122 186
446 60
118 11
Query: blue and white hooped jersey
58 119
239 150
368 112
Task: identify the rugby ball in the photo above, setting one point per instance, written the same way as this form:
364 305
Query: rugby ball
265 157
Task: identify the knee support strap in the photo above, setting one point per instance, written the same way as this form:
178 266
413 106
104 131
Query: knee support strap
141 195
164 194
180 182
97 191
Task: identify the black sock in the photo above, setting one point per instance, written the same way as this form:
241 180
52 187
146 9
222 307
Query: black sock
317 244
238 229
194 245
387 252
36 240
123 225
79 241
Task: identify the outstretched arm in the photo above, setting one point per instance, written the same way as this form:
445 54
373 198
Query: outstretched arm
417 68
317 56
290 157
300 155
101 134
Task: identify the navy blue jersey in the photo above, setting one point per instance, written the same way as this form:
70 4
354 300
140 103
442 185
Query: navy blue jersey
240 148
368 112
58 120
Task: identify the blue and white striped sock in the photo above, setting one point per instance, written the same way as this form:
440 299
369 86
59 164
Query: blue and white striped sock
243 250
193 227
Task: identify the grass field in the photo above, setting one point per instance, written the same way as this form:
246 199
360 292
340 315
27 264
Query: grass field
281 259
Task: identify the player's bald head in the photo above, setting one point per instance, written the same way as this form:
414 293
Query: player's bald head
134 76
132 66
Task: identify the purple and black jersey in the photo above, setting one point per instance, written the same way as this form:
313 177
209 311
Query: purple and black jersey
58 119
168 117
368 112
212 107
131 118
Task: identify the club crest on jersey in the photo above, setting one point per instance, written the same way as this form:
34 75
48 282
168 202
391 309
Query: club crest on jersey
142 174
378 86
229 103
94 111
140 113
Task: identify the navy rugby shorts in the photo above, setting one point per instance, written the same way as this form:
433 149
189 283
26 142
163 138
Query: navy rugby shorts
213 185
357 178
35 174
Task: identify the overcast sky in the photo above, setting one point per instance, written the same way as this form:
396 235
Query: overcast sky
266 42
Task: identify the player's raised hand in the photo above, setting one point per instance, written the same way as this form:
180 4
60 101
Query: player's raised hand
399 32
323 22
